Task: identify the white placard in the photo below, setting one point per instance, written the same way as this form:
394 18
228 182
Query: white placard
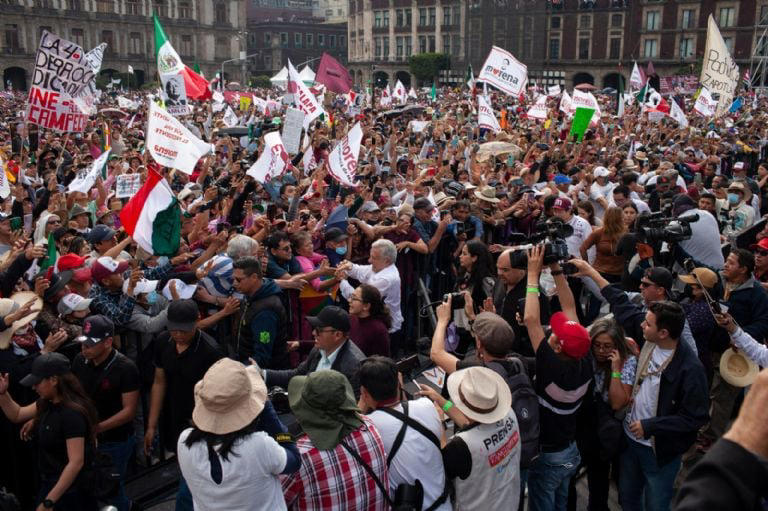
127 185
294 119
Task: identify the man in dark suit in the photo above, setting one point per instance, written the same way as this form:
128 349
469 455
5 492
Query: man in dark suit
333 350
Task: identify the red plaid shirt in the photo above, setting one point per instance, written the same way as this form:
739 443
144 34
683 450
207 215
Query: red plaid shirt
334 480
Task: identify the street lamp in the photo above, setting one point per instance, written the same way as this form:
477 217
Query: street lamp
235 60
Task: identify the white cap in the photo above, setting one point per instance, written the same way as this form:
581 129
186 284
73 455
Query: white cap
186 291
142 286
601 172
71 303
738 165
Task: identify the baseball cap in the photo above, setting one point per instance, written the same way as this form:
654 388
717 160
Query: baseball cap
105 266
369 206
763 243
100 233
5 216
182 315
45 366
186 291
573 338
71 303
739 165
601 172
82 275
563 203
495 333
96 328
335 234
662 277
562 179
331 316
70 262
707 277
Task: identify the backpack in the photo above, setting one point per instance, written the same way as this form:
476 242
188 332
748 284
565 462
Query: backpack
525 403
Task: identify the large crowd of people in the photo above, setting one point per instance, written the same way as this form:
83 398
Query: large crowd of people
585 306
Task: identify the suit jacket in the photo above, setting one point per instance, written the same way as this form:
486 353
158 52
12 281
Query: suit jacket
347 362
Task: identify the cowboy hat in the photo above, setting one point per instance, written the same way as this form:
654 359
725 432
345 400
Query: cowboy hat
630 164
229 397
737 369
487 193
481 394
9 305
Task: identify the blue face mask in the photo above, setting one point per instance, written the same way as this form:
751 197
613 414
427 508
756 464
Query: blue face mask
152 297
162 260
733 198
341 250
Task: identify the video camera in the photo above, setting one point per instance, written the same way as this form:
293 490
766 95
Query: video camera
553 232
654 227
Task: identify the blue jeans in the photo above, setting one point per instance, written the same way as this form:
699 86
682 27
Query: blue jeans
120 452
642 480
184 497
549 476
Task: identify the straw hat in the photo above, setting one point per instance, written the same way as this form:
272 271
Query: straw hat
229 397
487 193
481 394
12 304
737 369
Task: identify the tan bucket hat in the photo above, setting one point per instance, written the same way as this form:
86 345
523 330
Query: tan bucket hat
481 394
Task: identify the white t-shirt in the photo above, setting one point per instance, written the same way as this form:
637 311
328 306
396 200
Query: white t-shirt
581 231
250 480
417 457
646 399
596 191
704 243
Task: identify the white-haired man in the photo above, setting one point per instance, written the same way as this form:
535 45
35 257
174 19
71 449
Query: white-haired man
383 275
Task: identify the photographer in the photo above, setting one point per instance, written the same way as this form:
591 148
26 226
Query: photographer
464 226
704 243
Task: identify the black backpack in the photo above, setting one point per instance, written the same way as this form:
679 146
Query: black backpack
525 403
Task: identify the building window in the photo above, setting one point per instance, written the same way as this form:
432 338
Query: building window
399 48
555 22
432 19
407 17
408 46
310 39
422 44
283 39
321 40
554 48
422 16
328 13
342 41
446 16
185 10
652 20
221 12
385 49
399 18
186 45
78 37
763 15
332 41
447 45
268 61
376 19
134 8
297 40
584 43
617 20
12 37
650 48
729 43
40 31
456 45
585 21
105 6
614 48
161 8
75 5
377 46
431 40
134 44
267 39
221 49
107 36
686 47
761 46
457 15
385 19
727 17
689 18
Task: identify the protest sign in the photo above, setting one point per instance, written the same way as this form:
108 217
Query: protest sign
245 103
485 116
705 104
61 73
418 126
170 67
170 143
292 130
126 103
554 90
719 72
86 178
272 161
343 159
539 109
230 118
566 104
586 100
303 98
580 121
504 71
127 185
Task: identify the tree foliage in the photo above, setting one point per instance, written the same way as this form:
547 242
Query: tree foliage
426 66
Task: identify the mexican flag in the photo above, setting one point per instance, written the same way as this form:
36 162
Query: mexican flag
153 217
191 84
642 94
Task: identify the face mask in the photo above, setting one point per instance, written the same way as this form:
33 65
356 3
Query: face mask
162 260
152 297
341 250
733 198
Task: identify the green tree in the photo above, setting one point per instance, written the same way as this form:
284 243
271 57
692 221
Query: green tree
427 66
262 81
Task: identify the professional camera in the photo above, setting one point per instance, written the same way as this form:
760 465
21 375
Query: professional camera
655 227
553 232
457 300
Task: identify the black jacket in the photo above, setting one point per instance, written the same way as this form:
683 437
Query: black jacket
682 406
347 362
728 477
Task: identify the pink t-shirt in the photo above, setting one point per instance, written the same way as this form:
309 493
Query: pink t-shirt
309 264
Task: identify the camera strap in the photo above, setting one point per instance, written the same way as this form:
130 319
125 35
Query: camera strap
370 471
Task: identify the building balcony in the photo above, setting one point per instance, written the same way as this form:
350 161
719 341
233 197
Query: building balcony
14 50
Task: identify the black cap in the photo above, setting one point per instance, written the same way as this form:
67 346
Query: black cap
331 316
63 231
422 203
45 366
182 315
57 283
662 277
335 234
96 328
100 233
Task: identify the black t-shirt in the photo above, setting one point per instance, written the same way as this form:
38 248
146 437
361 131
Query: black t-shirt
561 386
57 425
182 372
457 459
106 384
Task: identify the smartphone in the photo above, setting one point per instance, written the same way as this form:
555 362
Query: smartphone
17 223
376 193
271 212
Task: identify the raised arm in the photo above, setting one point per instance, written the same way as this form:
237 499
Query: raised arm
532 316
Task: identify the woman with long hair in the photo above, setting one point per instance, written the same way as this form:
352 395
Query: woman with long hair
629 215
64 420
586 210
477 276
605 239
237 447
369 321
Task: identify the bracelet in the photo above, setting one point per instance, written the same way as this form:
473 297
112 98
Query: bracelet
616 374
447 406
532 289
557 272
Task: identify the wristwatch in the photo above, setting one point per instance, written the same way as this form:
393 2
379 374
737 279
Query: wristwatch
48 504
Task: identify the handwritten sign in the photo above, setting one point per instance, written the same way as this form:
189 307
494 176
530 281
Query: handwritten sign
294 120
127 185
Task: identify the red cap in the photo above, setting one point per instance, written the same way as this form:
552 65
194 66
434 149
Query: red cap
82 275
573 337
103 267
70 262
763 243
562 203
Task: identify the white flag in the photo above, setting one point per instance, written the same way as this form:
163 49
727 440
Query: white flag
130 69
705 105
485 116
677 113
170 143
400 93
304 99
719 72
554 90
272 161
586 100
126 103
343 159
386 98
566 104
217 96
5 186
412 93
85 180
230 117
636 79
504 71
539 109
